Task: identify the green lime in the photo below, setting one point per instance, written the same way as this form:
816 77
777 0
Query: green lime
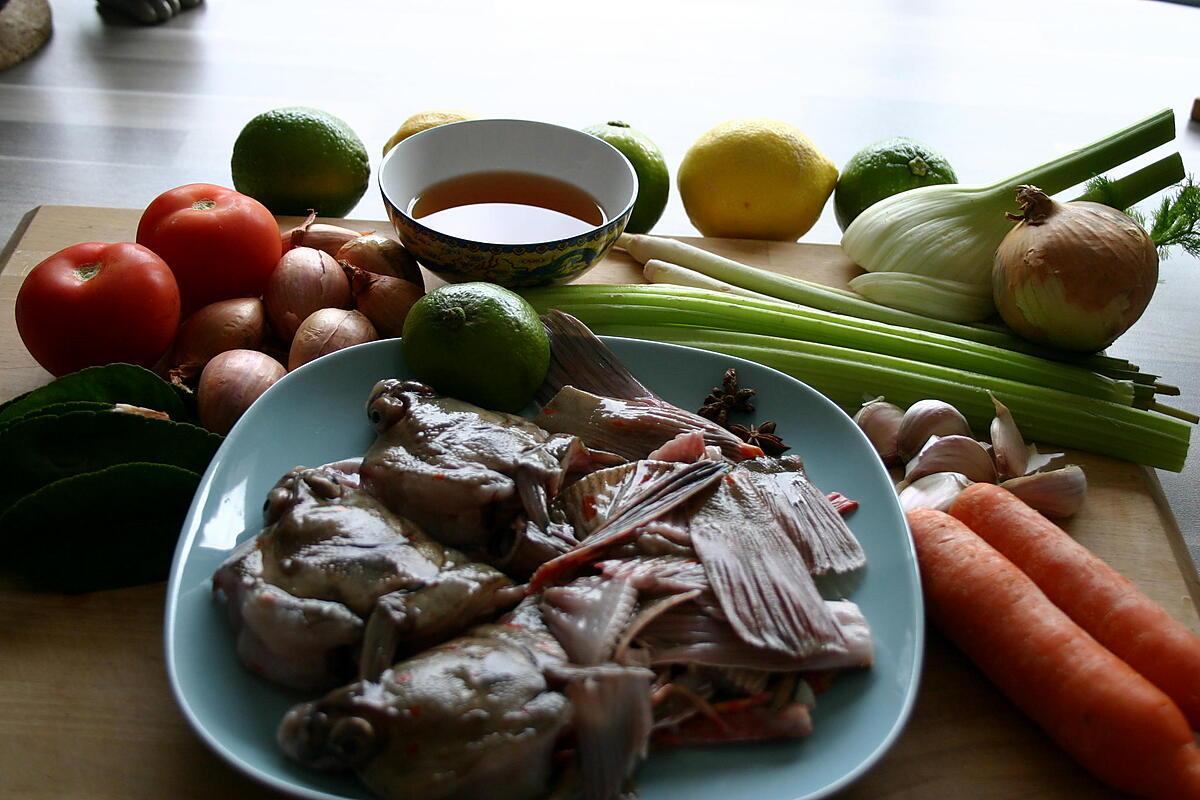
294 159
654 182
478 342
884 169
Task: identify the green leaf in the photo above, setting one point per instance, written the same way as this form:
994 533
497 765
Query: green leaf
56 408
111 383
42 449
99 530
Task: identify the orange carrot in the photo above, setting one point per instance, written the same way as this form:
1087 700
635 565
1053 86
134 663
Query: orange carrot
1100 600
1107 716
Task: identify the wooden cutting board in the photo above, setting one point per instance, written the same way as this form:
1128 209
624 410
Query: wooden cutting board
85 711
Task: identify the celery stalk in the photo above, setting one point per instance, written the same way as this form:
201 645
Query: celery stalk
816 296
638 304
846 375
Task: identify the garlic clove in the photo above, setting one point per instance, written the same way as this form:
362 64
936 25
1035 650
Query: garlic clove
952 454
1057 493
880 421
1008 445
926 418
1038 460
936 491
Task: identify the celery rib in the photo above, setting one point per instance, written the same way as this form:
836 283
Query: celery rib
1046 415
635 304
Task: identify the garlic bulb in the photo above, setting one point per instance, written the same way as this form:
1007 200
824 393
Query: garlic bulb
936 491
1058 493
880 421
1008 446
926 418
952 454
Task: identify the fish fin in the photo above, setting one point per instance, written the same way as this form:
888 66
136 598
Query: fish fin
578 358
648 501
612 718
757 572
588 616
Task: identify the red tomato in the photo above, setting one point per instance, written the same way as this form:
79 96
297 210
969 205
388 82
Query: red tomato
98 303
219 243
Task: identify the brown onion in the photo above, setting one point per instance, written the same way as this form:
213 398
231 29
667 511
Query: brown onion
382 299
1072 275
318 235
305 281
230 384
383 256
327 331
237 324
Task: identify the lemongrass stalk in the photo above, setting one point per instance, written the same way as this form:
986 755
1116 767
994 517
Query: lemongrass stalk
1046 415
635 304
806 293
656 271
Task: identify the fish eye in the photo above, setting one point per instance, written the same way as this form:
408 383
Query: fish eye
351 739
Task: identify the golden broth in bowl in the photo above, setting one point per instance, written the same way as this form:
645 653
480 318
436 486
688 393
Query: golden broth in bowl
507 207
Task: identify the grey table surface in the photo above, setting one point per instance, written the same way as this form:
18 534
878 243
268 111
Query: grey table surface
112 115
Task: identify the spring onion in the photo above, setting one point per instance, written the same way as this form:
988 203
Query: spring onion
951 231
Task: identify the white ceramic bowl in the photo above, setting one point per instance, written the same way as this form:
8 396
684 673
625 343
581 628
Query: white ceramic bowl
461 148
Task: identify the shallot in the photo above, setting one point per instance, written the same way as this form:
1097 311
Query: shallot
237 324
305 281
318 235
382 299
230 384
326 331
382 256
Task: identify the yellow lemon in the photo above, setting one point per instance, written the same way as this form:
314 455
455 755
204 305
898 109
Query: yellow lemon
755 179
422 122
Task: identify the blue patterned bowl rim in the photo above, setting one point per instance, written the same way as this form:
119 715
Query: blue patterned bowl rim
497 246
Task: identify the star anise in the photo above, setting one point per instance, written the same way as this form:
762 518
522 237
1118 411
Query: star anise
726 398
763 436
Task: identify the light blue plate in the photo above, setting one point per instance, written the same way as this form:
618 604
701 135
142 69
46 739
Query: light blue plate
316 415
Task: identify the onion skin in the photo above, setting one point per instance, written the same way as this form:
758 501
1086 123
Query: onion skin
306 280
382 299
327 331
230 384
1073 275
238 324
382 256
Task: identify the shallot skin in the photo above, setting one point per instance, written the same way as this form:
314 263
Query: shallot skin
326 331
305 281
230 384
1073 275
237 324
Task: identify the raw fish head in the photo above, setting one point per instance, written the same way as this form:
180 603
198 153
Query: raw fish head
391 399
338 731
